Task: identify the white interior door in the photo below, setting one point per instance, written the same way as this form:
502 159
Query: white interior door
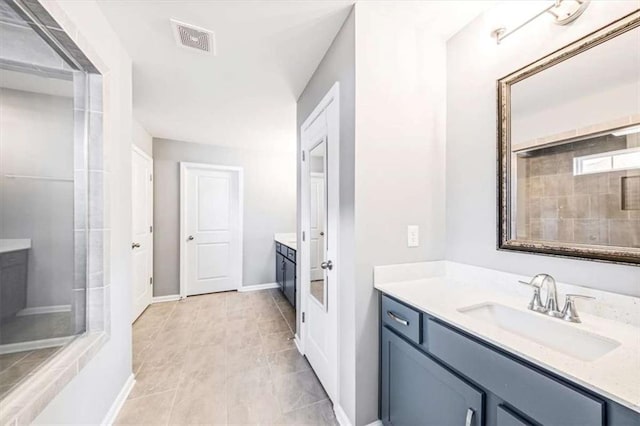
142 230
211 214
319 218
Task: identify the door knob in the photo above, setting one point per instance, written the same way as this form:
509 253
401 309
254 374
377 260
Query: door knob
135 245
327 265
322 234
190 238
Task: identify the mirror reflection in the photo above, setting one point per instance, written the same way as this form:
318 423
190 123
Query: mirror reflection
318 229
572 152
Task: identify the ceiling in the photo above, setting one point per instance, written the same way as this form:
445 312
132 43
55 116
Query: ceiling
266 52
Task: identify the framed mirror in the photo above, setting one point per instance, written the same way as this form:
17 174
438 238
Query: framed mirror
569 149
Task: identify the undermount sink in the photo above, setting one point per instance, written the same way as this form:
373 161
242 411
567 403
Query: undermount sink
547 331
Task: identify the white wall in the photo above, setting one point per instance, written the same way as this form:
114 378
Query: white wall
475 62
399 160
36 139
141 138
597 86
269 206
88 397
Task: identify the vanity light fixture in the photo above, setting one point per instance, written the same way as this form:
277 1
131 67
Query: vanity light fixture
562 11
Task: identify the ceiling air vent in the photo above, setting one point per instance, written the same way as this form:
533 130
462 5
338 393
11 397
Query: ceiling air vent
191 37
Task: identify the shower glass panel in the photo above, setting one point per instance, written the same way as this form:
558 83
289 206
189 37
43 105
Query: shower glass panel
42 199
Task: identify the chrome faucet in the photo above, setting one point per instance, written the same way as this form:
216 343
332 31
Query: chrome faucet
550 306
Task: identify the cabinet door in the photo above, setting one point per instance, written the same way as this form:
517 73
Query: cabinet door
290 281
280 270
416 390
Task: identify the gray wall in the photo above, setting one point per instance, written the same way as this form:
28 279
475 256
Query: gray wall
36 139
399 163
141 138
269 206
471 147
338 64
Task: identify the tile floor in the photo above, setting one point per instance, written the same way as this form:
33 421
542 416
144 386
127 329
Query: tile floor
15 367
223 358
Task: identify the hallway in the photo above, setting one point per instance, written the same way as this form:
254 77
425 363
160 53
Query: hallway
223 358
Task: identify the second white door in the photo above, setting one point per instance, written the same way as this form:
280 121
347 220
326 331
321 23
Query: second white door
318 258
141 232
211 228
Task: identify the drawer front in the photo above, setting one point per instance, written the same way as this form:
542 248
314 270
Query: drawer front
533 393
506 417
401 318
13 258
279 248
291 254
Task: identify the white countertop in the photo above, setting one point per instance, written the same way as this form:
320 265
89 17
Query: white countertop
288 239
616 375
9 245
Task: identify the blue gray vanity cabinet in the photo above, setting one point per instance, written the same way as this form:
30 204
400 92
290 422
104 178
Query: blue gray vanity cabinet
286 271
512 391
416 390
13 282
280 265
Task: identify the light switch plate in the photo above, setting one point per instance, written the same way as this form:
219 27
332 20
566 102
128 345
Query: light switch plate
413 236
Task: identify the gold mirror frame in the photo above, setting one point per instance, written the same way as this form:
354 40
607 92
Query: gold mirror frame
505 242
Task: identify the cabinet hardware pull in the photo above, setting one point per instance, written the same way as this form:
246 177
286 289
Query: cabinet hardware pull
469 420
397 318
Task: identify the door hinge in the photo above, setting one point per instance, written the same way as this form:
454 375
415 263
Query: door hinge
302 155
303 317
151 229
151 280
303 236
151 178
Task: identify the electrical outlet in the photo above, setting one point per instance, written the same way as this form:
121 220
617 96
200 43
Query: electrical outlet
413 236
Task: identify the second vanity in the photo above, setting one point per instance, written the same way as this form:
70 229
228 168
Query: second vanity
460 347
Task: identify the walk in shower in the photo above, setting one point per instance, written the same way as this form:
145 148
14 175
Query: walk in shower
43 193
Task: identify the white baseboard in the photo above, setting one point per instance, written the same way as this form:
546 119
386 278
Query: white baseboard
43 310
341 416
343 420
113 412
258 287
298 343
169 298
10 348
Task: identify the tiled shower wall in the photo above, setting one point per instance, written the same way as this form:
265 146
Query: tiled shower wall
555 205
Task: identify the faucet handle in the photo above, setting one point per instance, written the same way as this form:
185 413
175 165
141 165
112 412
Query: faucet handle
536 302
569 312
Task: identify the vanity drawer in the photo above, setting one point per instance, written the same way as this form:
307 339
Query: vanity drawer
536 394
13 258
402 319
279 248
291 254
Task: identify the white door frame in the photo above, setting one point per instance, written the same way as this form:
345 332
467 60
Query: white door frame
184 168
143 154
333 130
